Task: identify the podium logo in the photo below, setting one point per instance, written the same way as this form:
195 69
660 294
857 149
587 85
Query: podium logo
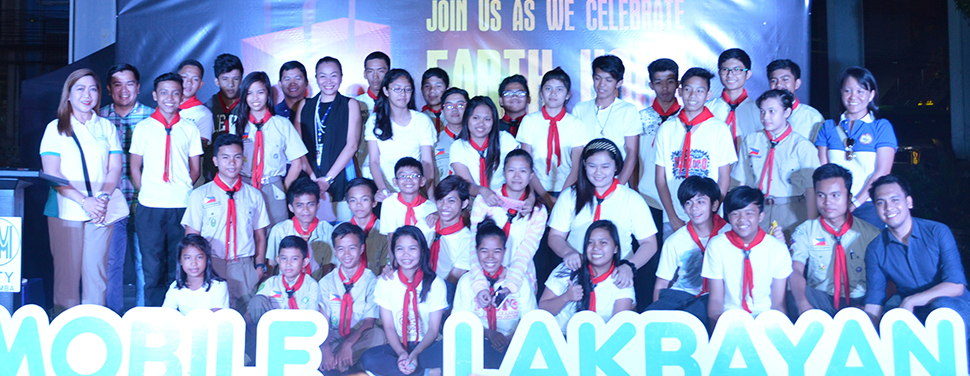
9 240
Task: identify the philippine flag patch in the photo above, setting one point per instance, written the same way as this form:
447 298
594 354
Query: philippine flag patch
439 151
209 200
819 242
753 151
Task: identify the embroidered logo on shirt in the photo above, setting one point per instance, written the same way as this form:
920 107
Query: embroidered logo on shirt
439 151
819 242
866 138
753 151
210 200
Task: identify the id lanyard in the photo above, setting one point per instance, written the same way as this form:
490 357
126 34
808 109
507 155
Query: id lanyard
321 129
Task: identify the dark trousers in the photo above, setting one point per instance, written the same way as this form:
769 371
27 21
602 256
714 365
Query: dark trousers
676 300
159 233
492 358
646 276
382 360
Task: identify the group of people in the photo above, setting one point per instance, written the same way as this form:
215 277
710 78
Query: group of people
263 198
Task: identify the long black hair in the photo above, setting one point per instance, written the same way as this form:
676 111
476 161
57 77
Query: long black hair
583 188
424 264
382 106
242 110
493 152
197 241
582 276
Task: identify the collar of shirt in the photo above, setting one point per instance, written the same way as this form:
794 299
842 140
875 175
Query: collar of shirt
865 119
914 233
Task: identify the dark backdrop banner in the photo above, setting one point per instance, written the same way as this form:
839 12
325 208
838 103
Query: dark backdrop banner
478 42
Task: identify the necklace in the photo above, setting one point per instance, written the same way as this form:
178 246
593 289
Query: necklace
608 113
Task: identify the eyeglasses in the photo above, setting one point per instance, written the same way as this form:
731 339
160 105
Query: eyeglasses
454 106
734 70
400 90
409 176
514 93
849 153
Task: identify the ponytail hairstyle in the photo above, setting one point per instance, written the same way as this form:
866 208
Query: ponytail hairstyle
64 109
582 276
197 241
583 188
382 106
242 110
424 264
488 228
493 152
519 153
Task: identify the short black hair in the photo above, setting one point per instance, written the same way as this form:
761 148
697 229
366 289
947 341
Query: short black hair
832 170
786 98
784 64
742 196
192 62
435 72
302 186
514 78
293 64
361 182
662 65
330 59
889 179
451 183
348 228
610 64
226 139
557 74
697 185
168 77
408 162
454 90
378 55
697 72
226 63
293 241
121 68
734 53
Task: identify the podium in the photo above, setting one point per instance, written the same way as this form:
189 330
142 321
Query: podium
12 184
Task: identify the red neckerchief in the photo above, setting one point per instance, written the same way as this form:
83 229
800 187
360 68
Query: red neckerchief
347 301
227 109
371 94
410 294
259 148
552 139
594 281
770 160
718 225
794 105
841 272
685 160
600 198
230 213
731 118
513 123
437 116
438 233
305 234
189 103
665 114
450 133
747 286
370 226
290 291
482 173
411 219
157 115
511 213
490 310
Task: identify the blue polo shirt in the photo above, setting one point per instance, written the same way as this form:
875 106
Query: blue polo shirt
282 109
931 257
868 134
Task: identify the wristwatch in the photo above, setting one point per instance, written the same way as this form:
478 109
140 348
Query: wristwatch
103 196
329 179
262 266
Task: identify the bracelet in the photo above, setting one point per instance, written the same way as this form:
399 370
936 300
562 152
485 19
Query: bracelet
628 262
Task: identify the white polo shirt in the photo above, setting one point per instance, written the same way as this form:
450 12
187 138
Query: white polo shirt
307 296
711 148
148 141
615 122
747 115
320 242
624 207
794 163
806 121
681 260
507 314
464 154
281 145
207 212
390 293
332 290
406 141
393 213
814 247
456 252
770 260
202 117
99 138
534 131
606 295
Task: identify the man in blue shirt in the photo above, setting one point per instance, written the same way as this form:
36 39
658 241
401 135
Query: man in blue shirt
920 256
